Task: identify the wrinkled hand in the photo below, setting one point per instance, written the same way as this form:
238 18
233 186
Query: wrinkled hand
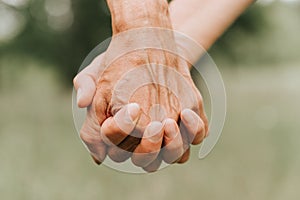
111 115
128 119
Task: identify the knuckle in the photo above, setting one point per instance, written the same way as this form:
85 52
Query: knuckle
174 147
184 160
205 122
201 126
200 102
150 169
138 159
75 80
84 137
118 155
172 155
185 157
198 139
88 139
109 127
149 150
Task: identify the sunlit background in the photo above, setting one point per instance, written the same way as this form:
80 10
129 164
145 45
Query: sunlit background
42 44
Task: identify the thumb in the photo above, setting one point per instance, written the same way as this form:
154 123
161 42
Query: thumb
85 82
86 87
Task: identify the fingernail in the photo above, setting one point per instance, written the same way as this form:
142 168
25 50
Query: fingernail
188 117
79 94
95 160
171 128
133 111
153 132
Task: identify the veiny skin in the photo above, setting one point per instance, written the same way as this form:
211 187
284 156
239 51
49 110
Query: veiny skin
214 16
146 149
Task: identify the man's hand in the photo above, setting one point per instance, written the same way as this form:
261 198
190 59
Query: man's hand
150 121
162 131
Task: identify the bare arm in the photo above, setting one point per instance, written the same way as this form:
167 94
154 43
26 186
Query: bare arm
205 20
130 14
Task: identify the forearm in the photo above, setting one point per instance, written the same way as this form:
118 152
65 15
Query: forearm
205 20
130 14
182 10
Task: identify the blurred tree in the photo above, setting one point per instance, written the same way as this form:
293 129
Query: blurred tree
63 32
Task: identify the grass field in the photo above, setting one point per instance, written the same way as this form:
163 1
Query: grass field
257 157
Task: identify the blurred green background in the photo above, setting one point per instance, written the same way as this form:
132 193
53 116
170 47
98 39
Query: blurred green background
42 44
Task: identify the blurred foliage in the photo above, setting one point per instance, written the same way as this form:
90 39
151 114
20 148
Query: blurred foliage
63 49
252 22
265 34
67 48
257 156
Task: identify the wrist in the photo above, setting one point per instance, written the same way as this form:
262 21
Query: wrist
132 14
